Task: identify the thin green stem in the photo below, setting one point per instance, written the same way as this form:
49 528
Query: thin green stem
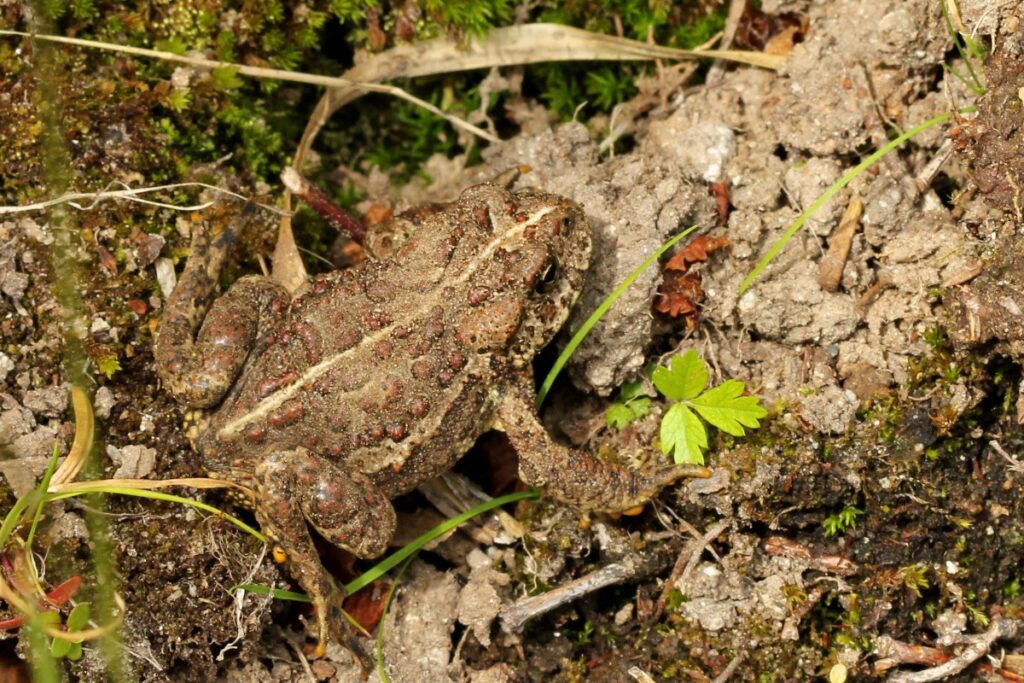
832 191
397 557
599 313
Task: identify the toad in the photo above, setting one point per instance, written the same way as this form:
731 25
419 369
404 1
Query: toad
377 378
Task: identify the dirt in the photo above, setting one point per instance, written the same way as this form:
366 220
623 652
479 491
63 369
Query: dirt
880 499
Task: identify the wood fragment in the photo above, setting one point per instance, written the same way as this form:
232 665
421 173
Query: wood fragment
730 668
515 616
883 281
976 649
964 275
784 547
931 169
630 567
686 563
830 269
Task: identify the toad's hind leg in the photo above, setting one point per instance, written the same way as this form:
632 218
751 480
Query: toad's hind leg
297 486
570 475
199 370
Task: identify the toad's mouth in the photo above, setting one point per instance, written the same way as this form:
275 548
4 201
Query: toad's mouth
434 298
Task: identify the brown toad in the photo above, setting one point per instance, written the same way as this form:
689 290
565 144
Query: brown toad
380 377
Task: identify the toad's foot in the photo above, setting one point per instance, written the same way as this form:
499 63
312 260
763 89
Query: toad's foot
573 476
297 486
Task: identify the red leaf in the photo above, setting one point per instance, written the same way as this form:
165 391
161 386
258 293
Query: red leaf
63 591
367 606
697 250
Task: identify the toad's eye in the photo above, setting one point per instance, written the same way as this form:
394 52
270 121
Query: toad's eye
569 222
545 281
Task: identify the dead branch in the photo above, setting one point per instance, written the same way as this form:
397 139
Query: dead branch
977 648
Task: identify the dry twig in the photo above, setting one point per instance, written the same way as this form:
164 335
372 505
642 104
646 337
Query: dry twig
830 269
685 564
1000 628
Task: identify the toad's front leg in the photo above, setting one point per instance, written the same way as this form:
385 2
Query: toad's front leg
199 370
297 486
570 475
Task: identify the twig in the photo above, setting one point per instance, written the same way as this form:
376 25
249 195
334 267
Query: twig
784 547
302 661
927 174
1015 465
830 269
732 22
515 616
882 282
630 565
979 645
892 653
730 669
683 569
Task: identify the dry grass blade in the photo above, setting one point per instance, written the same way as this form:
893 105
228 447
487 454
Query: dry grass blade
85 428
259 72
525 44
513 45
143 484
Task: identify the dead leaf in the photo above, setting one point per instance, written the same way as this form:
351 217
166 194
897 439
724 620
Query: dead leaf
771 33
679 296
681 292
720 191
696 250
367 606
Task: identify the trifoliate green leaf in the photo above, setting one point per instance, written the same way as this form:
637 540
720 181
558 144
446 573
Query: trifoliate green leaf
684 380
640 407
631 390
683 435
725 407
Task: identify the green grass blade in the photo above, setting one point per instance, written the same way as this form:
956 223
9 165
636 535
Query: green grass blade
976 86
14 516
599 313
870 161
397 557
276 593
43 485
381 671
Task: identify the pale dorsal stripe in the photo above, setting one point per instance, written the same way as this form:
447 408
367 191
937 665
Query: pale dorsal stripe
275 400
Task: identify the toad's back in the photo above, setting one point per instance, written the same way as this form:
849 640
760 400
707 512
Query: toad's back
394 367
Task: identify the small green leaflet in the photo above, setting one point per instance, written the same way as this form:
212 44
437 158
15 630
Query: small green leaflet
727 408
682 433
632 404
77 621
686 379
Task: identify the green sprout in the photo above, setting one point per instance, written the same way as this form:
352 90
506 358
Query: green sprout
632 404
78 619
683 434
841 521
